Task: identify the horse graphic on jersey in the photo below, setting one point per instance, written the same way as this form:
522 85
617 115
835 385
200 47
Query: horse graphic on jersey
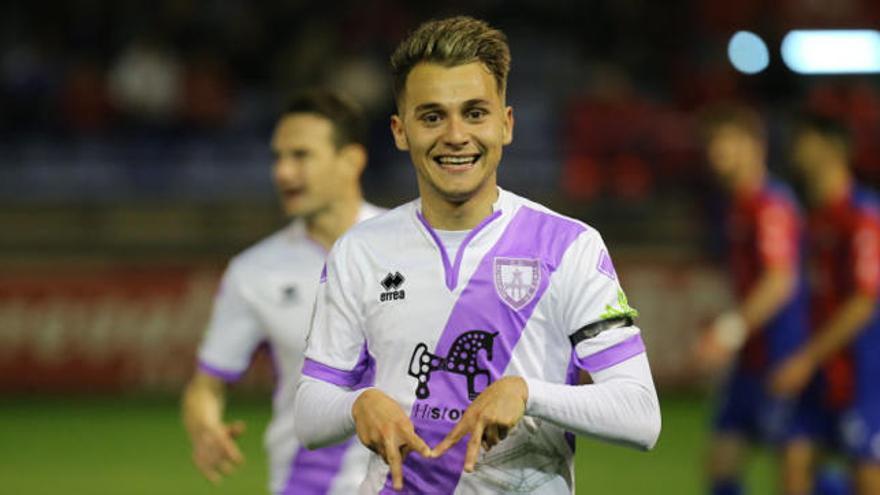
461 360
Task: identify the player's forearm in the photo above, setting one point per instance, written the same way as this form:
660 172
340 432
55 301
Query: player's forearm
322 413
204 401
771 292
841 329
620 406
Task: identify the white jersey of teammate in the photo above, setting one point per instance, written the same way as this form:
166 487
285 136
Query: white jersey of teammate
267 296
442 327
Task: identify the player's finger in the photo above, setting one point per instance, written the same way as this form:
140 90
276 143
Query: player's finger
230 451
452 437
415 443
394 461
236 428
208 471
226 467
473 447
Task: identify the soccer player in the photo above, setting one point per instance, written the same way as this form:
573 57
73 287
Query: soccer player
844 345
267 295
764 231
479 306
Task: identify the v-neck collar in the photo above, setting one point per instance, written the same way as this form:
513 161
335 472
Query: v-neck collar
452 269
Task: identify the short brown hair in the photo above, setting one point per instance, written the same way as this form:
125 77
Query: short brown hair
346 116
740 116
451 42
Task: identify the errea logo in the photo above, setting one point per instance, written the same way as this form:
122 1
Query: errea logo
391 283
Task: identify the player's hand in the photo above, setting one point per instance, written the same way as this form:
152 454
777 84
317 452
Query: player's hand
792 376
215 452
488 419
719 343
709 354
384 428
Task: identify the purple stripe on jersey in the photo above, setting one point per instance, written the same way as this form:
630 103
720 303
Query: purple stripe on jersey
452 270
225 375
323 274
312 471
362 375
480 320
617 353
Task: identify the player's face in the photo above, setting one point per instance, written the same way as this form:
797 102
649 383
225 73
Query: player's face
730 152
307 169
454 124
810 152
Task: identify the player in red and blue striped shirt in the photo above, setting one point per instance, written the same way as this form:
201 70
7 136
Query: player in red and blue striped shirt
844 348
764 233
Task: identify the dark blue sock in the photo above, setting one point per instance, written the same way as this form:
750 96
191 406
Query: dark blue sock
832 482
726 487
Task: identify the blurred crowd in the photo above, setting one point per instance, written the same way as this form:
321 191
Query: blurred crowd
605 91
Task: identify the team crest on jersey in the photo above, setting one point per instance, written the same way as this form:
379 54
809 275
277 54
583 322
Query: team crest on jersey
517 280
462 359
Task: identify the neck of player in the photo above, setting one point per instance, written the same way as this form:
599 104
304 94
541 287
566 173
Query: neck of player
446 214
327 225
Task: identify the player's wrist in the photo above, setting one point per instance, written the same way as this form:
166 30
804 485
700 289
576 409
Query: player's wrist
730 330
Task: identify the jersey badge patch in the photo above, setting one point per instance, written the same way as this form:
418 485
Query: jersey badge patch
516 280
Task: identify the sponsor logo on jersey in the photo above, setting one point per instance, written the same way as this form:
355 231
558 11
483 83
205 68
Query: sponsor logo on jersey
392 283
462 359
517 280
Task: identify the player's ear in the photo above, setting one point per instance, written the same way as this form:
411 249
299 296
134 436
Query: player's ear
399 135
354 155
508 125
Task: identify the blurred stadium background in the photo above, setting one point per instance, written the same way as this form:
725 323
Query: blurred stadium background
134 162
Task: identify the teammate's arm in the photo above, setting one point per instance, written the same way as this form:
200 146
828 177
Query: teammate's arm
214 450
224 354
846 323
730 330
777 238
841 329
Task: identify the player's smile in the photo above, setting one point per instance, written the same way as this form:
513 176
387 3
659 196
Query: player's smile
457 163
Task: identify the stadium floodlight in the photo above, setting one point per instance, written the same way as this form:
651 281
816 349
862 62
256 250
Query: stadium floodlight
748 53
836 51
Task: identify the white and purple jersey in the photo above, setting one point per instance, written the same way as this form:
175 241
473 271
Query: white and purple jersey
267 296
442 328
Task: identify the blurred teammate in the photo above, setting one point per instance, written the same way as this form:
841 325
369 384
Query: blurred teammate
844 346
764 233
267 295
478 305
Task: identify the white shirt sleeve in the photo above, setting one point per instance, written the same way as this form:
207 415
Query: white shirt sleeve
336 347
234 331
589 293
322 413
619 406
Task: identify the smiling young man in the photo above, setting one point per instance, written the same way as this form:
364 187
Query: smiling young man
479 306
267 294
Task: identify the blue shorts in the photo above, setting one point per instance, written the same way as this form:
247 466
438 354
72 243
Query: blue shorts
854 432
745 408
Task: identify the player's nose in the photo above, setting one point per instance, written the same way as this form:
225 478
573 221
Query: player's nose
455 132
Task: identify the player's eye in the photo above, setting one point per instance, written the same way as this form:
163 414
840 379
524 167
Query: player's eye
475 114
299 154
430 118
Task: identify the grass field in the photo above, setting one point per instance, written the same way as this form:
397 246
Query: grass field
97 446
